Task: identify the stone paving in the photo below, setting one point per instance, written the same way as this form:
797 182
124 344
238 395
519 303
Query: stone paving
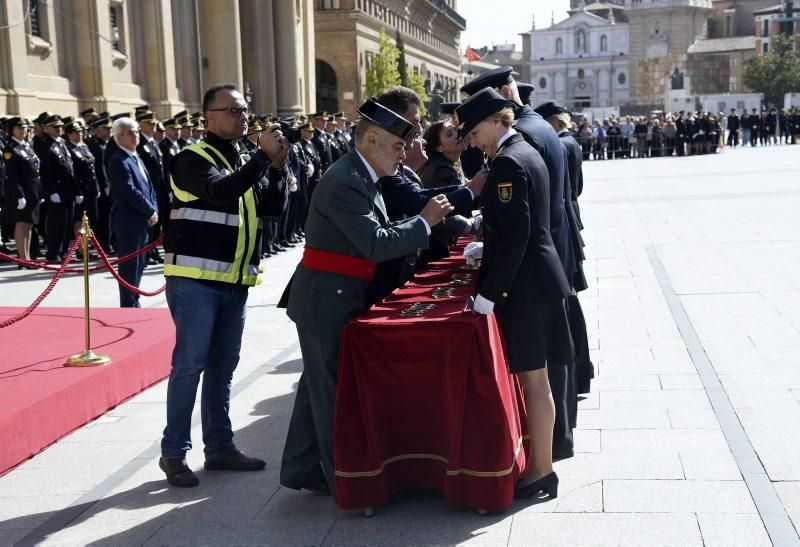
691 434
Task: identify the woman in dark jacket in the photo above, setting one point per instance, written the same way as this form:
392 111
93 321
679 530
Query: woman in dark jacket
521 278
443 150
25 187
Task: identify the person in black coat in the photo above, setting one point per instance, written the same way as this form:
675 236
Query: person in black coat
320 140
153 159
98 143
541 136
520 279
61 189
23 183
733 128
85 173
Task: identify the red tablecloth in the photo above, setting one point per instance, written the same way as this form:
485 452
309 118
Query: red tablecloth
427 400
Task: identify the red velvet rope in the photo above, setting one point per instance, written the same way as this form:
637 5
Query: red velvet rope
121 281
60 271
36 264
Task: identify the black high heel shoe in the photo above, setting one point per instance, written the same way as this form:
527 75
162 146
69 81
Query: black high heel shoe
547 484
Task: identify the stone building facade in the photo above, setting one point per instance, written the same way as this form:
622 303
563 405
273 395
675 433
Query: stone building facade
582 61
347 34
116 54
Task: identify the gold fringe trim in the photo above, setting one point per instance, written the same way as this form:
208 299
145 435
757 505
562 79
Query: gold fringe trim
435 457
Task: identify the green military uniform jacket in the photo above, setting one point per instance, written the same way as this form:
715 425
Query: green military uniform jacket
347 216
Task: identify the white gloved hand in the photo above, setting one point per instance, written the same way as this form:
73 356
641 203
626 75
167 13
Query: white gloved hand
309 169
483 306
293 185
55 198
477 222
473 252
21 203
78 199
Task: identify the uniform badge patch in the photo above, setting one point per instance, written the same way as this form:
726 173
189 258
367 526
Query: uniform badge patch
7 155
504 192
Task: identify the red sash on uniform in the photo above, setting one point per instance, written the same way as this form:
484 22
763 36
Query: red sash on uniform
325 261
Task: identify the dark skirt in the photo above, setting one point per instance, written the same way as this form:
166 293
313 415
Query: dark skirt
533 336
30 214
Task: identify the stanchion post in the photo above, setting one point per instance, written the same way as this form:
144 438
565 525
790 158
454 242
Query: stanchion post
87 358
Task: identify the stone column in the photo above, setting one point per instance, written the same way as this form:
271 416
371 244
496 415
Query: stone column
309 59
15 94
287 58
258 53
221 44
161 86
93 55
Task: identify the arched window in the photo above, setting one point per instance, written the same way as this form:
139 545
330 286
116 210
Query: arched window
581 74
542 83
580 41
603 43
559 46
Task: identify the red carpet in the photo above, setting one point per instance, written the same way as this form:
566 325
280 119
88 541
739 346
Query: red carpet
42 400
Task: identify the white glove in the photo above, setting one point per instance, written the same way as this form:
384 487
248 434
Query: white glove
309 169
21 203
55 198
293 185
473 252
78 199
477 221
483 306
107 190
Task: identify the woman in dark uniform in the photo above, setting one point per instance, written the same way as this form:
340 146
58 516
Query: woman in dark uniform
444 151
85 174
25 187
521 278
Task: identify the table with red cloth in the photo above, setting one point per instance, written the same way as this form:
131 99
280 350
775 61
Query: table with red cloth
427 400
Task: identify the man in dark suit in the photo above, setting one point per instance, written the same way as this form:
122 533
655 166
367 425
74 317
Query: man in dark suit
347 232
733 128
135 205
320 140
150 153
169 148
101 127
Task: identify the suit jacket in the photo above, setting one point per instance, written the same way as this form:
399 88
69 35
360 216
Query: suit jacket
347 216
520 265
575 169
153 160
542 137
439 172
134 199
57 171
405 196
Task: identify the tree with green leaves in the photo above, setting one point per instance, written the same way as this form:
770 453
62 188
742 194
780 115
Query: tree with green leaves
402 68
382 71
417 83
776 72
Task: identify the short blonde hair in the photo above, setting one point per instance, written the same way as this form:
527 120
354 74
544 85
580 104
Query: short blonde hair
505 117
564 120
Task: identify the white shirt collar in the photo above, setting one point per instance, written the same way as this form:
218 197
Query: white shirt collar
373 175
130 152
563 131
19 141
507 135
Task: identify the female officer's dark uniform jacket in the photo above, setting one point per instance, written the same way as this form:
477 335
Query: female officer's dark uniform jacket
22 170
515 204
439 172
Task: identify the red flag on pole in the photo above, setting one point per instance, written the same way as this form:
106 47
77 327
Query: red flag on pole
471 55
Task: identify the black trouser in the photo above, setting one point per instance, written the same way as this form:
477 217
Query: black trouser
60 217
102 229
733 137
753 136
679 145
670 145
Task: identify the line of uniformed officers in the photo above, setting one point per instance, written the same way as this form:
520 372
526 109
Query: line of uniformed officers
54 169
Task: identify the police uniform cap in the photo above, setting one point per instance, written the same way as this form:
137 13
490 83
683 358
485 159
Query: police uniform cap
101 122
378 114
142 108
146 116
494 78
330 118
477 108
318 115
184 122
254 125
449 108
338 114
525 92
53 121
159 127
87 112
548 108
74 125
170 122
115 117
305 126
41 117
181 114
13 122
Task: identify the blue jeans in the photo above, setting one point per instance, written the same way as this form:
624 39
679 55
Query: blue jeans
209 321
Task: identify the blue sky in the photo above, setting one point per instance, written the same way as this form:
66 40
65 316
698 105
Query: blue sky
501 21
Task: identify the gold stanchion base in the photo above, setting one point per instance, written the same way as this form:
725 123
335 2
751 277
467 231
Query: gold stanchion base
87 359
